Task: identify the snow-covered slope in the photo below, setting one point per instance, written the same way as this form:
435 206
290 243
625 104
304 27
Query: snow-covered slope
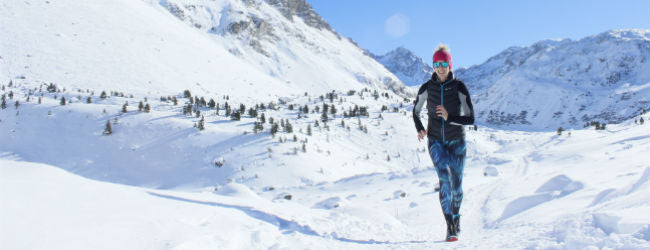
246 49
407 66
564 83
586 189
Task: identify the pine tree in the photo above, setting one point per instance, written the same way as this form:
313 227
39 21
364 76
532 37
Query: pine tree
62 102
258 127
641 121
212 103
17 104
187 94
304 148
288 127
236 116
89 100
124 107
103 95
263 118
108 130
274 129
559 131
201 125
4 104
50 88
309 130
147 108
140 106
323 116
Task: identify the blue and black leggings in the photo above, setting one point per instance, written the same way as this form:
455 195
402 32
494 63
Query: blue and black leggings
449 160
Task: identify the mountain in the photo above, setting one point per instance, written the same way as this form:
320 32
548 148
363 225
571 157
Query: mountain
563 83
407 66
250 49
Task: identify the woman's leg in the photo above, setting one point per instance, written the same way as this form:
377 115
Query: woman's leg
457 152
439 155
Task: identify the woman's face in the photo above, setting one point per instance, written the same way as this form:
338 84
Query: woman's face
440 70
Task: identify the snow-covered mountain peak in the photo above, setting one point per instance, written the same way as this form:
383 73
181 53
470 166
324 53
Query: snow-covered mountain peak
563 83
407 66
246 49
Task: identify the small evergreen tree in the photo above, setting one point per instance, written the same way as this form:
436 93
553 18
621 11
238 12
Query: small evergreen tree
258 127
16 104
89 100
62 102
274 129
641 121
187 94
4 104
103 95
201 125
288 127
309 129
252 112
124 107
50 88
212 103
236 115
140 106
263 118
147 108
108 130
559 131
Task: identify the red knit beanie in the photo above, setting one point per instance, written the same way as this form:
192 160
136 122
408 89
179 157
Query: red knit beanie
442 55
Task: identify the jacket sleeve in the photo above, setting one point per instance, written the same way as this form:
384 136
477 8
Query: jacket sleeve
417 107
466 116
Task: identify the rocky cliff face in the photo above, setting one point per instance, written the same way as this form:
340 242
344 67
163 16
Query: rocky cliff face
302 9
288 39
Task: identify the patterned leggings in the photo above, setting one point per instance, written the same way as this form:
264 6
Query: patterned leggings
449 161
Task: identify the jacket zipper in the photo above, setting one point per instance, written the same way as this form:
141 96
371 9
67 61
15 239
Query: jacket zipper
442 102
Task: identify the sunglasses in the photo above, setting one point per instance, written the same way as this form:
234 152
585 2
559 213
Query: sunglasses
438 64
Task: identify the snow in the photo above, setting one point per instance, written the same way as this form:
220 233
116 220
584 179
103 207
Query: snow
154 183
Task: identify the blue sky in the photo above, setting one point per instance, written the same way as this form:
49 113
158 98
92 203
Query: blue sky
475 30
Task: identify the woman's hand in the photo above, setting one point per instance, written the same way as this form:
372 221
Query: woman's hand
421 134
442 112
